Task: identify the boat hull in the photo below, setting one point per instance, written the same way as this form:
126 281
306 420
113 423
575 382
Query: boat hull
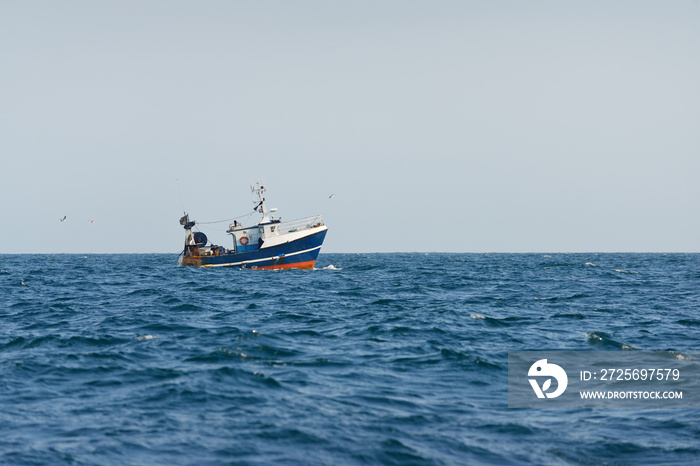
298 254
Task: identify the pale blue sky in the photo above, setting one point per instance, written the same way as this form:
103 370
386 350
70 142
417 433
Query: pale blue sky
499 126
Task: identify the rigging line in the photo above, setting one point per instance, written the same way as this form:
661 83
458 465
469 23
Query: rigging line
226 220
184 211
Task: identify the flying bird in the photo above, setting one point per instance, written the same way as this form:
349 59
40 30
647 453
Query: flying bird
92 221
331 196
63 219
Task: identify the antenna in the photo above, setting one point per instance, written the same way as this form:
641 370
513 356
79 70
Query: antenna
184 211
255 176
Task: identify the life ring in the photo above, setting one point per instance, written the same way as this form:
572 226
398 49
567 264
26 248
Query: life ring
244 240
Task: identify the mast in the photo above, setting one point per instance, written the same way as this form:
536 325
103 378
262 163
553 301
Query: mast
185 220
261 207
187 225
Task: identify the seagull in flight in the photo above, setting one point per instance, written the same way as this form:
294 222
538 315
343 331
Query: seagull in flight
331 196
63 219
92 221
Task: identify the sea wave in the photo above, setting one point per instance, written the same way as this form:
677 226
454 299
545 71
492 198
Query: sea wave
369 359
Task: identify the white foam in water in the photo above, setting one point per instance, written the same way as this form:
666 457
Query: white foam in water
145 337
477 316
331 267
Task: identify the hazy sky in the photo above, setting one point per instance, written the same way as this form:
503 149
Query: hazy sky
462 126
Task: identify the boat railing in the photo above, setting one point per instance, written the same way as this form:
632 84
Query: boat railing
301 224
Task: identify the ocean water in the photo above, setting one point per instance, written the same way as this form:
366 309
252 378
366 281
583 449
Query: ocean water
367 359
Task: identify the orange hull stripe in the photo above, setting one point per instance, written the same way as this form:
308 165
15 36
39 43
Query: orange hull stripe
296 265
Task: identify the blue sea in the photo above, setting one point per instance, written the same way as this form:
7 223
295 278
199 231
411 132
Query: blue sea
368 359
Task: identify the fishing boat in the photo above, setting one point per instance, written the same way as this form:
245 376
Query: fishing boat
268 244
